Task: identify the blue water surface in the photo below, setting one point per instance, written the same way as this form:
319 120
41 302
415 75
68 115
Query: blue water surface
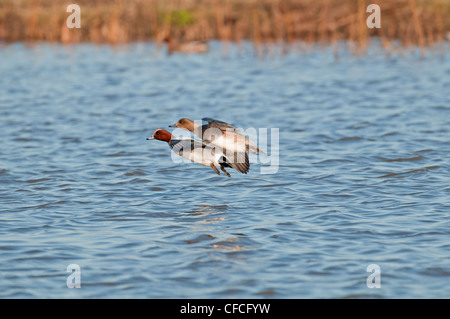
363 174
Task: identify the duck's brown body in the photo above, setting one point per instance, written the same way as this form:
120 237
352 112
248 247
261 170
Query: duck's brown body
186 47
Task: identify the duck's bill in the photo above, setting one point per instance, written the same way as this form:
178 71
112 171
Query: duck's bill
150 138
173 125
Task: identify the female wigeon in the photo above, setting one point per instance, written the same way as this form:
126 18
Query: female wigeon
186 47
198 152
220 134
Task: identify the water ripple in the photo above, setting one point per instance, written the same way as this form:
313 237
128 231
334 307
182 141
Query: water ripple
362 176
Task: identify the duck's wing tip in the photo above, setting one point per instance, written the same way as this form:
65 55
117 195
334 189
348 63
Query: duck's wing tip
241 163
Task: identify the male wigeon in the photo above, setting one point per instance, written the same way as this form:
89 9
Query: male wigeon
186 47
199 152
220 134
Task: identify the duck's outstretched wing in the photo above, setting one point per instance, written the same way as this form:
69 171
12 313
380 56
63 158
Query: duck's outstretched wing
240 162
242 167
211 120
251 146
223 126
187 144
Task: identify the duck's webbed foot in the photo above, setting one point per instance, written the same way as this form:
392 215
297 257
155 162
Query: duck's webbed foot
223 170
215 169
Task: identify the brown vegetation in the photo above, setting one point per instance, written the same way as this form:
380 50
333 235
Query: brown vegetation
413 22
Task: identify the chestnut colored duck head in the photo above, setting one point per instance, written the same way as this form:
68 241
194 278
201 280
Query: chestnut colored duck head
161 135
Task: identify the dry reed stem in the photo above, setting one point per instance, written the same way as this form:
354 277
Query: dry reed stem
418 26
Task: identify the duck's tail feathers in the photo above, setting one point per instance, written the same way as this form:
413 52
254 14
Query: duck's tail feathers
257 151
253 149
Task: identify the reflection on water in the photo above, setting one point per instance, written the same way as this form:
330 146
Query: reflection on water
363 175
212 215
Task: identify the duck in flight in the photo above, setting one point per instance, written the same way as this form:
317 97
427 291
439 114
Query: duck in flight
220 134
199 152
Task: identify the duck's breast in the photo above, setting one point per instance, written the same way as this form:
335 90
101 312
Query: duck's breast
202 154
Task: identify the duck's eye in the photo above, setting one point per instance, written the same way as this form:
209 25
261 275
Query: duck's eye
157 133
181 121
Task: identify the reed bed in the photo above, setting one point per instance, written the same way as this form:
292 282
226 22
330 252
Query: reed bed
420 23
